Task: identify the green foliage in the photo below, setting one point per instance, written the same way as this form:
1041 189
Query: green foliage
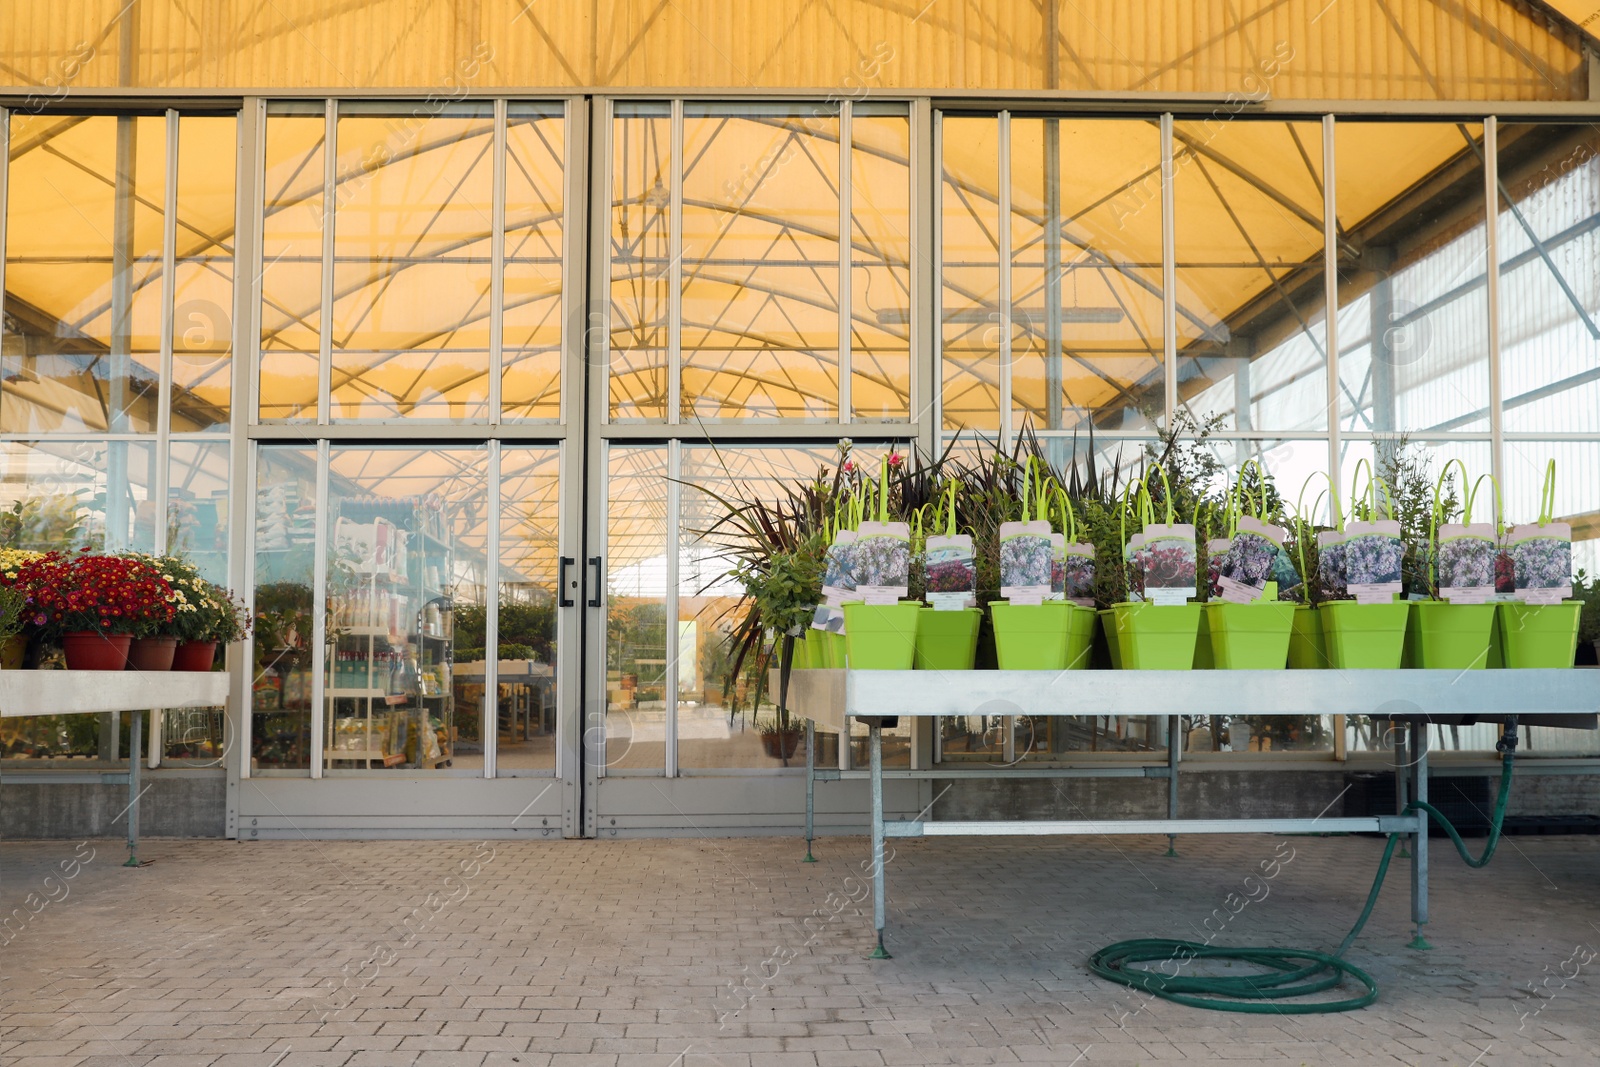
523 625
1408 471
1587 590
12 603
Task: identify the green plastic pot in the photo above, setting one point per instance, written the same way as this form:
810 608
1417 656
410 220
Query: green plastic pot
1030 637
1365 636
802 653
1080 635
830 653
881 637
1250 637
1204 658
1308 650
1445 636
947 640
1539 635
1108 624
1156 637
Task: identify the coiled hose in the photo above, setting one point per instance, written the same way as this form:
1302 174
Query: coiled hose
1287 973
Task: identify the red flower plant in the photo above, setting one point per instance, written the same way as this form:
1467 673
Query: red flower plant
105 594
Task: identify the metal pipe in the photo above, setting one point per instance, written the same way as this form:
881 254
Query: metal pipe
811 788
875 745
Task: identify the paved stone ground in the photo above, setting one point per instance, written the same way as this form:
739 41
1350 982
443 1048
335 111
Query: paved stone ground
697 952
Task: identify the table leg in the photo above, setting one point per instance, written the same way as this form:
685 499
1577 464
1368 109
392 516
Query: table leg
135 757
1174 746
875 746
1419 846
811 788
1402 775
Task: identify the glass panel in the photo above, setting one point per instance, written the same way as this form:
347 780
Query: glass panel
1258 733
69 495
199 510
1413 309
405 551
969 272
1247 205
1577 491
760 264
1086 274
880 272
1549 290
636 609
530 387
526 704
719 724
194 737
411 264
202 290
291 265
83 274
283 552
72 742
641 255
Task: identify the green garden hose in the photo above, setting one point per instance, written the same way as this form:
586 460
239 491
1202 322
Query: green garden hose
1286 973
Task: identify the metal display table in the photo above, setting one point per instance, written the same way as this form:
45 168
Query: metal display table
28 693
1416 698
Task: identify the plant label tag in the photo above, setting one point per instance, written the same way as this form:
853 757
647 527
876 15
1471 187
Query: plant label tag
1248 565
1216 552
1466 562
1168 559
1077 572
1541 555
1025 561
828 618
950 577
880 562
1372 555
1330 565
838 585
1167 595
1058 572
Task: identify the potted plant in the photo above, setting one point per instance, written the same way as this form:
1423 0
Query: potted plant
219 619
155 643
96 604
13 650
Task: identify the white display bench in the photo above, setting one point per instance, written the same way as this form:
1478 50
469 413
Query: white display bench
1416 698
27 693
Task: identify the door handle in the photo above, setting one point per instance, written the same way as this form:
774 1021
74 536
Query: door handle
564 600
594 561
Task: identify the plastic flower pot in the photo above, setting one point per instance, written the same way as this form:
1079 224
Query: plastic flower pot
947 640
833 650
1365 636
1445 636
1030 637
1251 637
194 656
1157 637
88 650
802 654
1204 659
881 637
1308 650
1108 625
152 653
1081 623
1539 635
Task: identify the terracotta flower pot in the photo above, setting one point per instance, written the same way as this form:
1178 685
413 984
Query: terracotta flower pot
152 653
88 650
782 745
195 656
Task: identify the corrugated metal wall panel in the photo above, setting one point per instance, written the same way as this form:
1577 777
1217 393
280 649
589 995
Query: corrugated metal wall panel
1474 50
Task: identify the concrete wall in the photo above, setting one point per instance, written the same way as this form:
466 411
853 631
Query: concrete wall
189 805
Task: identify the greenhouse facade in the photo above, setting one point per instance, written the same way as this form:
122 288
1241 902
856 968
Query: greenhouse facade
441 336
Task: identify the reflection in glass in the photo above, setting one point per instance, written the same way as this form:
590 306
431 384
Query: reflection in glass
719 721
82 323
526 704
1086 302
969 229
1577 491
411 263
405 553
880 272
202 287
1549 303
1413 308
291 265
69 495
636 609
530 386
200 505
760 263
641 201
283 552
1248 209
